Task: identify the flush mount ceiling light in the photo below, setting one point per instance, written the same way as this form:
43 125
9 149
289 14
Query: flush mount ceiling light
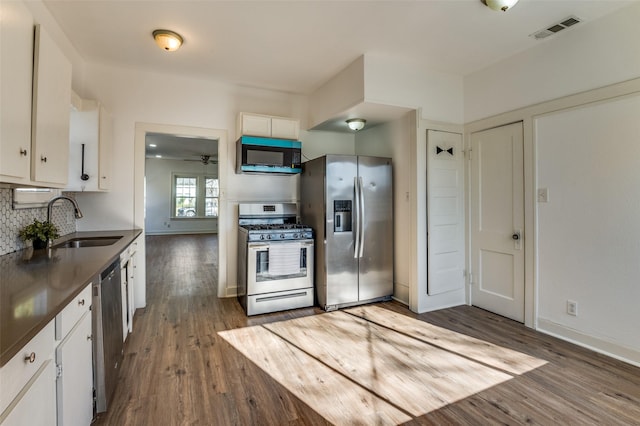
356 124
499 5
167 40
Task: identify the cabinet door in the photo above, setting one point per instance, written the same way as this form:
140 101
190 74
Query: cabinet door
255 125
83 130
124 277
105 149
75 384
16 68
285 128
131 270
50 115
36 404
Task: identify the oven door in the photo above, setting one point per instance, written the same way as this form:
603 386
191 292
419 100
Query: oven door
279 266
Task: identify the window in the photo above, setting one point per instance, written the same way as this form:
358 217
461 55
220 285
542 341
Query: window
211 197
195 196
186 189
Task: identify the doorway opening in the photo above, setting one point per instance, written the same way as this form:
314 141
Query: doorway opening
182 191
182 188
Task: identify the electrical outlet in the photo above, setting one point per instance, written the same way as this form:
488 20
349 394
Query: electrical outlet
543 195
572 308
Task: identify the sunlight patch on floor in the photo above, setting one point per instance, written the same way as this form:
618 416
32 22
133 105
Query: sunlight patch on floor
373 366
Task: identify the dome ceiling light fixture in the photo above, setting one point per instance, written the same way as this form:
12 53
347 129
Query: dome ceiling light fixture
167 40
499 5
356 124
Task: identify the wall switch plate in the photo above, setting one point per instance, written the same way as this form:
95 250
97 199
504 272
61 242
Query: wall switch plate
543 195
572 308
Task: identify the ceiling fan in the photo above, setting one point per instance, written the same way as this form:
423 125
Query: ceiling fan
204 159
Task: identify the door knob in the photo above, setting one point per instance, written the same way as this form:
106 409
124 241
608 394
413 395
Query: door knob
516 236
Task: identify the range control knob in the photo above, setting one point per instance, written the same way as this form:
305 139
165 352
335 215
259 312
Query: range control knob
262 237
282 236
268 237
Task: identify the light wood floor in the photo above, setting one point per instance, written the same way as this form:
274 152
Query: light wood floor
178 370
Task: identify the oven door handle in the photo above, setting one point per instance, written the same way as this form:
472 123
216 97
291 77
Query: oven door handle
254 246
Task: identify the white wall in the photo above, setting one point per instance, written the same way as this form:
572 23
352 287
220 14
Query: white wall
588 245
584 60
398 82
582 244
392 81
318 143
341 92
142 97
158 205
591 55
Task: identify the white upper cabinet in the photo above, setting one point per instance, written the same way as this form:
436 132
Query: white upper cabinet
90 147
267 126
16 67
50 112
285 128
254 125
35 91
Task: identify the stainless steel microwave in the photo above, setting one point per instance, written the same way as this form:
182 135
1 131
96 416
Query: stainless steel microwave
267 155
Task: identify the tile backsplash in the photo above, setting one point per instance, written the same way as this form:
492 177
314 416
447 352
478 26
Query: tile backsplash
11 221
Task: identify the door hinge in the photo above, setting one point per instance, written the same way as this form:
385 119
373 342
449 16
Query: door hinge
470 278
58 371
470 151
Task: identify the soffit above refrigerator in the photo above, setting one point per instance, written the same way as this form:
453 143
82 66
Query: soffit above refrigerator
375 114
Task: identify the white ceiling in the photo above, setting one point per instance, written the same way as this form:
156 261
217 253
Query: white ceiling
171 147
296 46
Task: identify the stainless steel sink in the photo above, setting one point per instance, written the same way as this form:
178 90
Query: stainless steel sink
88 242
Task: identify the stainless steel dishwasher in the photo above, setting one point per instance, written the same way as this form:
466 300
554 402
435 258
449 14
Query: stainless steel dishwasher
107 332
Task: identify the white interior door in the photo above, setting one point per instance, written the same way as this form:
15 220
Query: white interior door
497 220
445 212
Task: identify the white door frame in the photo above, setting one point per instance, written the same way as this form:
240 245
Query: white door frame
530 302
141 131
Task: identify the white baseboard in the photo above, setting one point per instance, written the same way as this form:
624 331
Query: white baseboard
613 350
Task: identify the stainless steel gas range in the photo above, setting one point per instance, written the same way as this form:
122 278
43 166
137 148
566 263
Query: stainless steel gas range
275 258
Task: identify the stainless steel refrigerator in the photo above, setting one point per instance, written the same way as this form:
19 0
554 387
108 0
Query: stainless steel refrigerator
348 200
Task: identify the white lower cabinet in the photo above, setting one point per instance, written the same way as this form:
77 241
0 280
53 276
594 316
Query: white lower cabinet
74 385
28 383
74 362
35 405
128 265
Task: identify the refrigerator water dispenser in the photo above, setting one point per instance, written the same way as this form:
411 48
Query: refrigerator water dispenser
342 216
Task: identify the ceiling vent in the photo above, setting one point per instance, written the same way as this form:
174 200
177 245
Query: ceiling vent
555 28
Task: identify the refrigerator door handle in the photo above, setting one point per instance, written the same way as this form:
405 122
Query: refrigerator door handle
356 250
361 216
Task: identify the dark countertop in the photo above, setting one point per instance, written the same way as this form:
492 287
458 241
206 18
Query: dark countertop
36 285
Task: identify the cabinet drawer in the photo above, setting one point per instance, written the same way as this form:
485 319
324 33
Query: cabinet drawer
133 247
72 313
19 370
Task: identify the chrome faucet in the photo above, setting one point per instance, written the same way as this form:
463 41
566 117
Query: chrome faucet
63 197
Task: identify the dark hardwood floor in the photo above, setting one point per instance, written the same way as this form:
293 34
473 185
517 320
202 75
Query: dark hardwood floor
178 371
